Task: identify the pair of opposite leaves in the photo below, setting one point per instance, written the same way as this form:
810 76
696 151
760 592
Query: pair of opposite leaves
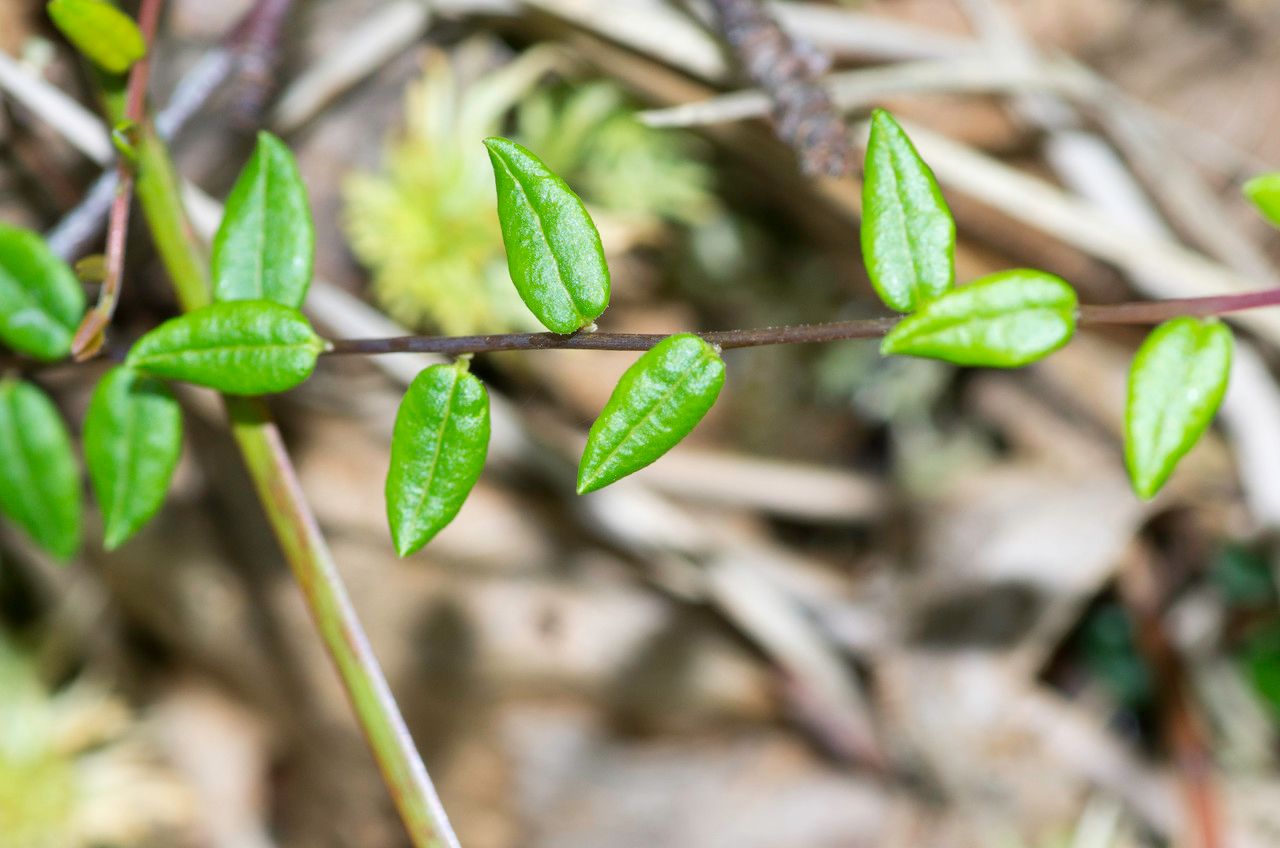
253 342
558 266
1178 377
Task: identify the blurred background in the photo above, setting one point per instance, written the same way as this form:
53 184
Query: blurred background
870 602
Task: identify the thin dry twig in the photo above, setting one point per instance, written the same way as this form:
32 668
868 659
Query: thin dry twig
91 334
788 70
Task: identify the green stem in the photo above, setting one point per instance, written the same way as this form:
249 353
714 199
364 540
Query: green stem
296 530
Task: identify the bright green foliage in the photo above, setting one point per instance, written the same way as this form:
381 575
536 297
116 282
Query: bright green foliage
658 401
554 253
1005 320
1176 384
908 235
132 441
39 481
41 301
266 244
437 452
244 347
426 225
108 37
1264 191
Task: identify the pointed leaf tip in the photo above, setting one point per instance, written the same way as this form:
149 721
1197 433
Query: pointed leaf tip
243 347
658 401
1176 384
554 253
1005 320
265 246
1264 192
132 442
908 234
438 449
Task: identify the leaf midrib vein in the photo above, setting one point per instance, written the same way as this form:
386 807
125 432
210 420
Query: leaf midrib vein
537 216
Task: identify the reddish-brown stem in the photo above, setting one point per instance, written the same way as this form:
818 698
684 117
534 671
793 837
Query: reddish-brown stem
92 331
1142 312
1155 311
1183 730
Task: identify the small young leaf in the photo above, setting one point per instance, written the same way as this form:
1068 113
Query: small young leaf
39 482
106 36
437 451
132 440
41 301
1176 384
1264 191
245 347
553 250
1003 321
908 235
265 246
657 402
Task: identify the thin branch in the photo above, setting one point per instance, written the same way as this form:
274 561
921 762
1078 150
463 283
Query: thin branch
1142 312
300 539
1139 313
582 340
1155 311
92 331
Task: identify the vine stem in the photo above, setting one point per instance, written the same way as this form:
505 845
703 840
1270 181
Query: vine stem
294 525
91 333
1140 312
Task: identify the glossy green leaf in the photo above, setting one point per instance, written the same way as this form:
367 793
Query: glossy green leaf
105 35
41 302
553 250
657 402
265 246
437 452
39 481
245 347
132 441
1176 384
908 235
1003 321
1264 191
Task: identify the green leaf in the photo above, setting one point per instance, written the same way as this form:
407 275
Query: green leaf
39 482
657 402
1264 191
265 245
1176 384
132 441
908 235
246 347
41 302
106 36
437 451
1003 321
553 250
